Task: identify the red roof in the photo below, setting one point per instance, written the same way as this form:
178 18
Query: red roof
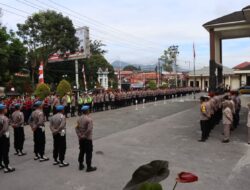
126 72
243 66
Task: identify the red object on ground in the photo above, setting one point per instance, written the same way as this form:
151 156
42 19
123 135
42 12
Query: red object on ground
185 177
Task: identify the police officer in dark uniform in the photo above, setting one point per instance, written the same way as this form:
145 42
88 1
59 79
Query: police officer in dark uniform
4 141
38 127
17 122
58 129
84 131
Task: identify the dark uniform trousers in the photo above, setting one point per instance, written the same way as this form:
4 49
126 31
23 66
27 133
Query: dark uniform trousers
54 110
4 150
59 147
86 147
236 118
19 138
79 109
73 110
204 129
46 111
27 114
39 142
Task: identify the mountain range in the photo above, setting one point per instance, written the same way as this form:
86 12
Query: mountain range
121 64
151 67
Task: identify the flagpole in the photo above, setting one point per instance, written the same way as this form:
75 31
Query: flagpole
194 70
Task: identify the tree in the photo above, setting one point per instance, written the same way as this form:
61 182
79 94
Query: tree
152 85
17 54
45 33
130 68
4 37
96 47
63 88
169 58
42 91
12 55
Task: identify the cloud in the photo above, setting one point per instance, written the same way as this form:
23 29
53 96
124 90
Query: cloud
139 31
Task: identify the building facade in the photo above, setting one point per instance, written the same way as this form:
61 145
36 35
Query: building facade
201 76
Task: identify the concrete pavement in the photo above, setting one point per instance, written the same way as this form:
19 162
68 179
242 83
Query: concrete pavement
127 138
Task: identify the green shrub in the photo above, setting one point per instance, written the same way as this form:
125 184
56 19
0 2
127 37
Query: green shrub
152 85
42 90
63 88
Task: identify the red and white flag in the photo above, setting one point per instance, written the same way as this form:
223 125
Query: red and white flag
41 77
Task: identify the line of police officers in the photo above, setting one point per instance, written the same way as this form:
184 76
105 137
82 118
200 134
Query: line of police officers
84 128
216 107
37 123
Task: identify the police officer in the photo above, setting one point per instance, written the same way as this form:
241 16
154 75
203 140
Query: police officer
64 103
107 100
80 103
84 131
4 140
58 129
17 122
46 108
38 127
55 103
68 97
204 119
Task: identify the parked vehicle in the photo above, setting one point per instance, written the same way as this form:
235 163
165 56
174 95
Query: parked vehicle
244 90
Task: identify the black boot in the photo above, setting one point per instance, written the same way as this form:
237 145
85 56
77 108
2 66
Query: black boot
37 157
63 164
9 169
225 141
1 166
21 153
91 169
17 152
56 162
43 159
81 166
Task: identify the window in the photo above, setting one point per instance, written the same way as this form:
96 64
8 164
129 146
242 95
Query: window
206 84
192 83
197 84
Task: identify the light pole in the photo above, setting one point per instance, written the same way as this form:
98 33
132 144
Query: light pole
158 73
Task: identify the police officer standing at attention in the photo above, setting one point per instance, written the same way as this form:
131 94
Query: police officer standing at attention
84 131
38 127
4 141
58 129
17 122
204 119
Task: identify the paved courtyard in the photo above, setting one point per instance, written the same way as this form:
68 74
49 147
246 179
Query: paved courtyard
130 137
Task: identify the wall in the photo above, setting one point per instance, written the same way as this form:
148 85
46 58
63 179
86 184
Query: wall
201 81
243 79
234 81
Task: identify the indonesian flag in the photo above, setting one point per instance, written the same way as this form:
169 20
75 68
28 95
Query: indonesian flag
41 77
194 50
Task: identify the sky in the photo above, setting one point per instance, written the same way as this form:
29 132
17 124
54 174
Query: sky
138 31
